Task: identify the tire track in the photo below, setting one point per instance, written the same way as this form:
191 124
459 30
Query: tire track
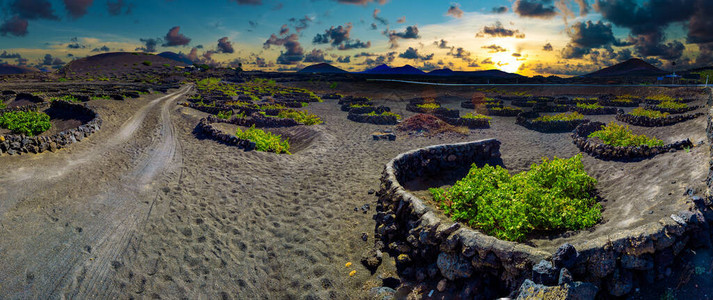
57 262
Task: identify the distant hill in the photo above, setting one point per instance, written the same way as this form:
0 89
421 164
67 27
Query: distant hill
118 63
485 74
7 69
323 68
631 67
177 57
386 70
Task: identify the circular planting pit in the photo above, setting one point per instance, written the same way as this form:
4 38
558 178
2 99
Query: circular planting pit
223 131
654 122
529 121
672 110
620 103
369 109
70 123
505 111
472 123
24 100
543 107
594 111
595 148
628 249
373 119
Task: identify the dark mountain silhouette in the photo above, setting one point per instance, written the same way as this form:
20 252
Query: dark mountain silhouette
177 57
386 70
323 68
631 67
119 63
487 73
7 69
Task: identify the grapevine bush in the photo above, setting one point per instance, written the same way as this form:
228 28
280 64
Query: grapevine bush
28 123
554 195
264 140
621 136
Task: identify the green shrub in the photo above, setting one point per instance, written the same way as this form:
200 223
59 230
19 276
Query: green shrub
428 105
476 116
507 108
642 112
589 106
264 140
102 97
272 106
300 116
225 115
554 195
561 117
146 63
621 136
167 65
62 79
28 123
68 98
661 98
358 105
671 105
386 114
2 105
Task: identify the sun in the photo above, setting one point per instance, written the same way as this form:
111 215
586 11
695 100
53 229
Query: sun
504 61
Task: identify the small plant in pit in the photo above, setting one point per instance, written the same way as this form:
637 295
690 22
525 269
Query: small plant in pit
671 105
333 85
561 117
300 116
589 106
264 140
621 136
225 115
579 99
29 123
662 98
506 108
2 105
102 97
359 105
385 114
146 63
476 116
428 105
642 112
554 195
68 98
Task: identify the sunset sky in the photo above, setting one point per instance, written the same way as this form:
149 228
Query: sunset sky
530 37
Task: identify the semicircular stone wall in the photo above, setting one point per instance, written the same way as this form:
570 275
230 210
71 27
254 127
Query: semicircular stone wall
428 245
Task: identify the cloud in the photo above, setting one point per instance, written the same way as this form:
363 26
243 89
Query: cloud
149 45
460 53
411 32
455 11
115 7
534 8
75 44
380 59
500 9
487 61
77 8
301 24
293 54
592 35
345 59
381 20
365 54
174 38
443 44
494 48
7 55
373 26
49 60
361 2
33 9
284 29
547 47
225 46
15 26
412 53
497 30
401 20
278 6
316 56
101 49
571 51
340 37
248 2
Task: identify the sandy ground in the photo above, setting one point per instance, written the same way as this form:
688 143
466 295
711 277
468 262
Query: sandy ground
146 208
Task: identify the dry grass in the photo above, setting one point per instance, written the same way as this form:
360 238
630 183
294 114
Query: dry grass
430 125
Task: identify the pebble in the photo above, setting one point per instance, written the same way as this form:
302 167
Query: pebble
364 236
441 285
371 191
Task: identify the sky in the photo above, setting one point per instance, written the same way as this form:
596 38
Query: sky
529 37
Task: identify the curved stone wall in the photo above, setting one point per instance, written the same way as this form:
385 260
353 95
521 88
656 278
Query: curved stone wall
378 119
594 111
672 110
523 119
19 144
655 122
427 245
580 137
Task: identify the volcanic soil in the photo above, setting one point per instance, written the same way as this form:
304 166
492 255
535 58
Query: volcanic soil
148 207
